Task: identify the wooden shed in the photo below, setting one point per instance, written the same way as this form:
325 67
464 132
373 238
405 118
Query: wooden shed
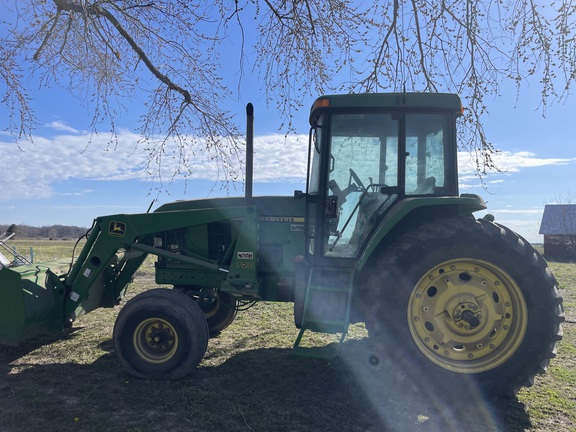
559 229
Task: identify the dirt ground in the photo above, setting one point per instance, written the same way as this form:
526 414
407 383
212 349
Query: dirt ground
251 381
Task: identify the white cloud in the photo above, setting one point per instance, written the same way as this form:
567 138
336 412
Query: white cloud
59 125
507 162
77 193
510 161
31 169
513 162
524 211
279 158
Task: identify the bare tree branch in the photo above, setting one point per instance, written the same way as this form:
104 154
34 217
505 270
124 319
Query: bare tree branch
48 35
93 49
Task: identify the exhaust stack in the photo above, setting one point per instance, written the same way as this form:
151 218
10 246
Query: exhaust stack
249 150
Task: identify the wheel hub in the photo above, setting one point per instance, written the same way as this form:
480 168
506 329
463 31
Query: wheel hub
467 315
155 340
159 338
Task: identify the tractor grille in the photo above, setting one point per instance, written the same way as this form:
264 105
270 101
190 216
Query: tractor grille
219 239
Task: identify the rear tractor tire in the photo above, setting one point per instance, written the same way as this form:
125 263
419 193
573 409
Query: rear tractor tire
160 334
219 313
462 305
219 308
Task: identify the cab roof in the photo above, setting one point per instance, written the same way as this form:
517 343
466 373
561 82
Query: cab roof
404 101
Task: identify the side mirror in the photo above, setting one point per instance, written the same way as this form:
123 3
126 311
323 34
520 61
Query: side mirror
298 194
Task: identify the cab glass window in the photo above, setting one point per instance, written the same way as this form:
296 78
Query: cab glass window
363 162
427 141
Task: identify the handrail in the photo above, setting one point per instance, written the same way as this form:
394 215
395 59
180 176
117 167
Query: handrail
19 259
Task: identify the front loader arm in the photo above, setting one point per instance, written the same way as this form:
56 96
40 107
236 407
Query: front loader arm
116 248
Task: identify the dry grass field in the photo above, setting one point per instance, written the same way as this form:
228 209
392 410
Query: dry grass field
250 381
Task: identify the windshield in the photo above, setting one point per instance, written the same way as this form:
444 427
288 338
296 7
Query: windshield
363 166
371 163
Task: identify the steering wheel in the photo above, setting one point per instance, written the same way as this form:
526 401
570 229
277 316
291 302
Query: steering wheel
357 180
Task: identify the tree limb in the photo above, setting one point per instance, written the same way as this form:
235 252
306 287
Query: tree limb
99 10
48 34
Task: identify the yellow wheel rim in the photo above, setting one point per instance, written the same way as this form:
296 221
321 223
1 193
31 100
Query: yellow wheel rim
155 340
467 316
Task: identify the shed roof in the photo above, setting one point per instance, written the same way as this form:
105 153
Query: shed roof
559 219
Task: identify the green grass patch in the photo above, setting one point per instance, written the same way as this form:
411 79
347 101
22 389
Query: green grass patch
250 380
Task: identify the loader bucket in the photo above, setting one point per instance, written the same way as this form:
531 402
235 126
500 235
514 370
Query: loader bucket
31 301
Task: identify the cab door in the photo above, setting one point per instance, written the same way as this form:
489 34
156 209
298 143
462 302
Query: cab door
354 175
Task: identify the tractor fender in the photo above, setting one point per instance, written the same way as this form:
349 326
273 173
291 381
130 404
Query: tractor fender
410 211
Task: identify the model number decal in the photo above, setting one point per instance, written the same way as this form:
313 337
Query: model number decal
245 255
245 265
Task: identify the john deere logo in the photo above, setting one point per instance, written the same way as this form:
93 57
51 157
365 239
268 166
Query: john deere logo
117 229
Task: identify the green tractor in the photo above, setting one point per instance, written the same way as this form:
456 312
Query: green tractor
380 235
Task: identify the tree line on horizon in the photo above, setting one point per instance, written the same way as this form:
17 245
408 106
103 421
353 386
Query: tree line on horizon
44 232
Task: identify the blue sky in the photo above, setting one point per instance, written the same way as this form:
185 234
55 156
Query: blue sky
58 179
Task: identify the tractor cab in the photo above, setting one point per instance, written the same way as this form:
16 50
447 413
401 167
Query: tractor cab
373 159
368 153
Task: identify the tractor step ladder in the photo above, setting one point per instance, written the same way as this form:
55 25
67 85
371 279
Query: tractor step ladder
326 309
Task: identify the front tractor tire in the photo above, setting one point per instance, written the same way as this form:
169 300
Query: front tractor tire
160 334
461 305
